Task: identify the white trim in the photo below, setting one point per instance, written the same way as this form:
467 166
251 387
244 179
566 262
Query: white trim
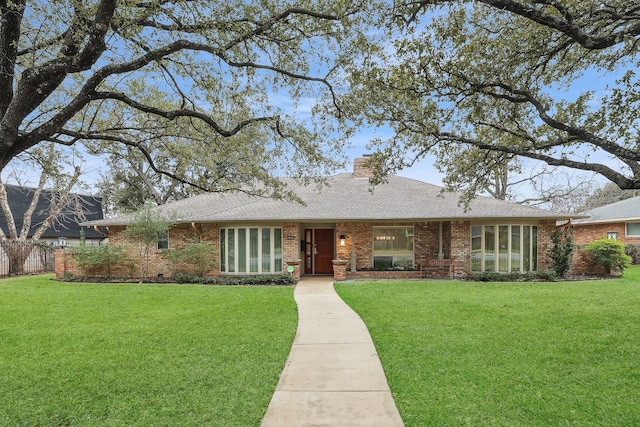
626 229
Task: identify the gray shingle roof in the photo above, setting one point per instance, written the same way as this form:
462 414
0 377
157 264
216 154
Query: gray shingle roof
19 199
345 199
624 210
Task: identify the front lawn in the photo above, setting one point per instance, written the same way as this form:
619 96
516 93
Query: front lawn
140 355
507 354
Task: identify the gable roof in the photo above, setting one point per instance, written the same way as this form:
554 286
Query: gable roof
347 198
66 225
624 210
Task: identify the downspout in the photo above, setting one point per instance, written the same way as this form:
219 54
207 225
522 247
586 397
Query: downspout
197 230
440 253
566 224
95 227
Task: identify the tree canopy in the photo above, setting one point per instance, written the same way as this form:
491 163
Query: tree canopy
213 86
480 83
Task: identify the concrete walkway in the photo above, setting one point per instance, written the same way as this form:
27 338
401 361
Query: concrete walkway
333 376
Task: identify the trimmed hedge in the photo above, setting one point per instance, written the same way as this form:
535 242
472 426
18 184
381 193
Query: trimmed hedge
257 280
537 276
633 250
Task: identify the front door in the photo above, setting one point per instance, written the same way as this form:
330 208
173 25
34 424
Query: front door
319 251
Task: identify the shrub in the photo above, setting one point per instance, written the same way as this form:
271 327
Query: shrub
198 257
634 252
102 257
257 280
562 251
532 276
610 254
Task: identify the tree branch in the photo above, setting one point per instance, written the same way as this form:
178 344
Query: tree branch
566 23
617 177
173 114
11 18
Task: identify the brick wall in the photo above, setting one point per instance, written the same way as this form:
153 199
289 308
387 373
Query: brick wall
583 263
156 263
291 241
344 252
545 229
460 248
587 233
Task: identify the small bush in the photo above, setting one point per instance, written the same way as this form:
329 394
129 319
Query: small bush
634 252
610 254
257 280
190 278
103 257
532 276
561 251
199 257
70 277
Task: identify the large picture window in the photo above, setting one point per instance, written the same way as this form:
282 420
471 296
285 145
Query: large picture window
633 229
504 248
247 250
393 248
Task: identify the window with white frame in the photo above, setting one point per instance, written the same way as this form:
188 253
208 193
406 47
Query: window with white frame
250 250
393 248
504 247
633 229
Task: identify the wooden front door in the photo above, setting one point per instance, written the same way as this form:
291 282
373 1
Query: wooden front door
319 251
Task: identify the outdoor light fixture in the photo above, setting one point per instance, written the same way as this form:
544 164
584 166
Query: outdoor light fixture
612 235
343 240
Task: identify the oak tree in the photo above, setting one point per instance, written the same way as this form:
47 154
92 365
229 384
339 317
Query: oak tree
549 80
107 73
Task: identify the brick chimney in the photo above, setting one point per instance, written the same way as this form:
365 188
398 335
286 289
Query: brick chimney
360 167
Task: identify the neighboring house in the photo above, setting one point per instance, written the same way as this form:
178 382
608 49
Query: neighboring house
23 257
66 229
404 228
619 220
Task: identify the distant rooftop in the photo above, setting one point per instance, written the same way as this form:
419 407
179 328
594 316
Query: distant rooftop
67 224
624 210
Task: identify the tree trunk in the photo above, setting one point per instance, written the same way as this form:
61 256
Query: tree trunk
17 252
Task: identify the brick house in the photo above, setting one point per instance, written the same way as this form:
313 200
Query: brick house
401 229
619 220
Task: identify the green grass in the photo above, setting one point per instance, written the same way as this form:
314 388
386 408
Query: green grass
507 354
140 355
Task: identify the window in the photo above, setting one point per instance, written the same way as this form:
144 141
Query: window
633 229
393 248
246 250
476 248
163 240
504 247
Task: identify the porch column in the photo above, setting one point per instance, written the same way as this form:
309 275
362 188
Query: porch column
293 268
354 258
340 270
440 253
460 248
